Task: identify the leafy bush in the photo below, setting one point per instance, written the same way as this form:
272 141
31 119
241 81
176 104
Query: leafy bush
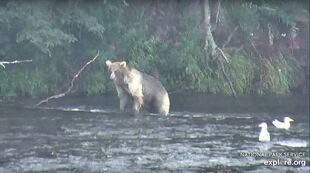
62 36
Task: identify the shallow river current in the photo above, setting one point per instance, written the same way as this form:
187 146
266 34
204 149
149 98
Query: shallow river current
201 134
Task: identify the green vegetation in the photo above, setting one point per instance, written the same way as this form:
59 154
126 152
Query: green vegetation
266 43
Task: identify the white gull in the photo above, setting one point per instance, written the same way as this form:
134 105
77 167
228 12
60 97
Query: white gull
283 125
264 135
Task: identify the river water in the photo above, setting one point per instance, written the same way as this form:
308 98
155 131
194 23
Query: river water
201 134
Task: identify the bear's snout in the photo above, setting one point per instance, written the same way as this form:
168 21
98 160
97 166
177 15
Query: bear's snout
112 76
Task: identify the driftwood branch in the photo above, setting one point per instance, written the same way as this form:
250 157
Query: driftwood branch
13 62
71 84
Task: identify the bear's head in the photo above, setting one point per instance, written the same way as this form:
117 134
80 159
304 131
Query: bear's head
117 70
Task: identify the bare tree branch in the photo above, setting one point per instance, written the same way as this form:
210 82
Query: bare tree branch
230 36
217 13
255 49
71 85
13 62
223 54
239 49
231 86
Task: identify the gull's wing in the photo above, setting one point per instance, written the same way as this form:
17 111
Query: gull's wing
277 123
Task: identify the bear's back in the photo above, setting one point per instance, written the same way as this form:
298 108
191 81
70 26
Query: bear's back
152 85
155 95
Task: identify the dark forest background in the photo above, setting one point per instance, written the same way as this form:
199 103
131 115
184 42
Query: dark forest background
244 47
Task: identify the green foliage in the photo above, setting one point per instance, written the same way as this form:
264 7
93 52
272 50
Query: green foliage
278 76
36 26
246 15
93 83
185 66
242 72
61 36
255 16
21 83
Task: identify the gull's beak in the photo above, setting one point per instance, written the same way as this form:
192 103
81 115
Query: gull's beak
290 119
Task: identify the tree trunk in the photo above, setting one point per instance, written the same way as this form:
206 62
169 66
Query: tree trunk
210 46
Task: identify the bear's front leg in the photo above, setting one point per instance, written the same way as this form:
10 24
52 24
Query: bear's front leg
123 103
124 99
138 101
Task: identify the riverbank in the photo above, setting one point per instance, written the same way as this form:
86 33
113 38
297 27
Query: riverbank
187 102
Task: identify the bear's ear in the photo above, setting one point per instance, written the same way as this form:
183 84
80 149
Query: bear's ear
108 63
123 63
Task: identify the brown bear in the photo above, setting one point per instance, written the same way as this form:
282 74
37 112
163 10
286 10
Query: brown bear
144 90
